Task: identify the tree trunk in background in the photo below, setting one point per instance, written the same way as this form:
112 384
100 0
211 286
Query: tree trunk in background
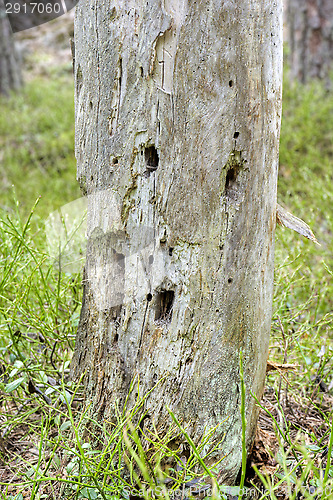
10 74
178 108
310 38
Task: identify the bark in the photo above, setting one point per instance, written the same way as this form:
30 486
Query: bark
10 75
178 109
310 38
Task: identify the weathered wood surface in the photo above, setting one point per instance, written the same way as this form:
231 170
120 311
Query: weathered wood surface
310 38
178 108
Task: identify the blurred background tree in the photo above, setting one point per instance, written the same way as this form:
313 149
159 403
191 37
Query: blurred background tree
309 34
10 72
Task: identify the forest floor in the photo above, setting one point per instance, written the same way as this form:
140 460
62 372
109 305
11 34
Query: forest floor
41 451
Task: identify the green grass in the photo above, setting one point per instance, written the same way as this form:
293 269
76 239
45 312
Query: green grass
303 301
305 187
39 311
37 146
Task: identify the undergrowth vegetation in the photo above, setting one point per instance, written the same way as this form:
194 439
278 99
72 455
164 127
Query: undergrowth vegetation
37 146
45 448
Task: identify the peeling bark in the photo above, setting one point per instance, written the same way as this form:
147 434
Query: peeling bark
178 108
310 38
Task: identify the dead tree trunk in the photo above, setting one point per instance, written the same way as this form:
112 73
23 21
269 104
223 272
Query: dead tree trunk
310 38
178 111
10 75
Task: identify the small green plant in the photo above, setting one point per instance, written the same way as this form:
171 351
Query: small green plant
38 311
45 449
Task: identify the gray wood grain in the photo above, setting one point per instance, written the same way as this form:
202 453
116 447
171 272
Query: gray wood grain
179 271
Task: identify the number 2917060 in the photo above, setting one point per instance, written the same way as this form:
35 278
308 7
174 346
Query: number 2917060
33 8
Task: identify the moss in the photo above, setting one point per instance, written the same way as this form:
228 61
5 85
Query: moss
231 169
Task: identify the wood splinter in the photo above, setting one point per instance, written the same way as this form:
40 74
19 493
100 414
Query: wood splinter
286 219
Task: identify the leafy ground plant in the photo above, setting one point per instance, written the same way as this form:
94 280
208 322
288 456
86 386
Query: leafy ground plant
52 448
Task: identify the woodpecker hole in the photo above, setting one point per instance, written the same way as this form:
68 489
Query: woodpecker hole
236 134
234 182
115 313
149 297
151 159
164 305
231 178
231 83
